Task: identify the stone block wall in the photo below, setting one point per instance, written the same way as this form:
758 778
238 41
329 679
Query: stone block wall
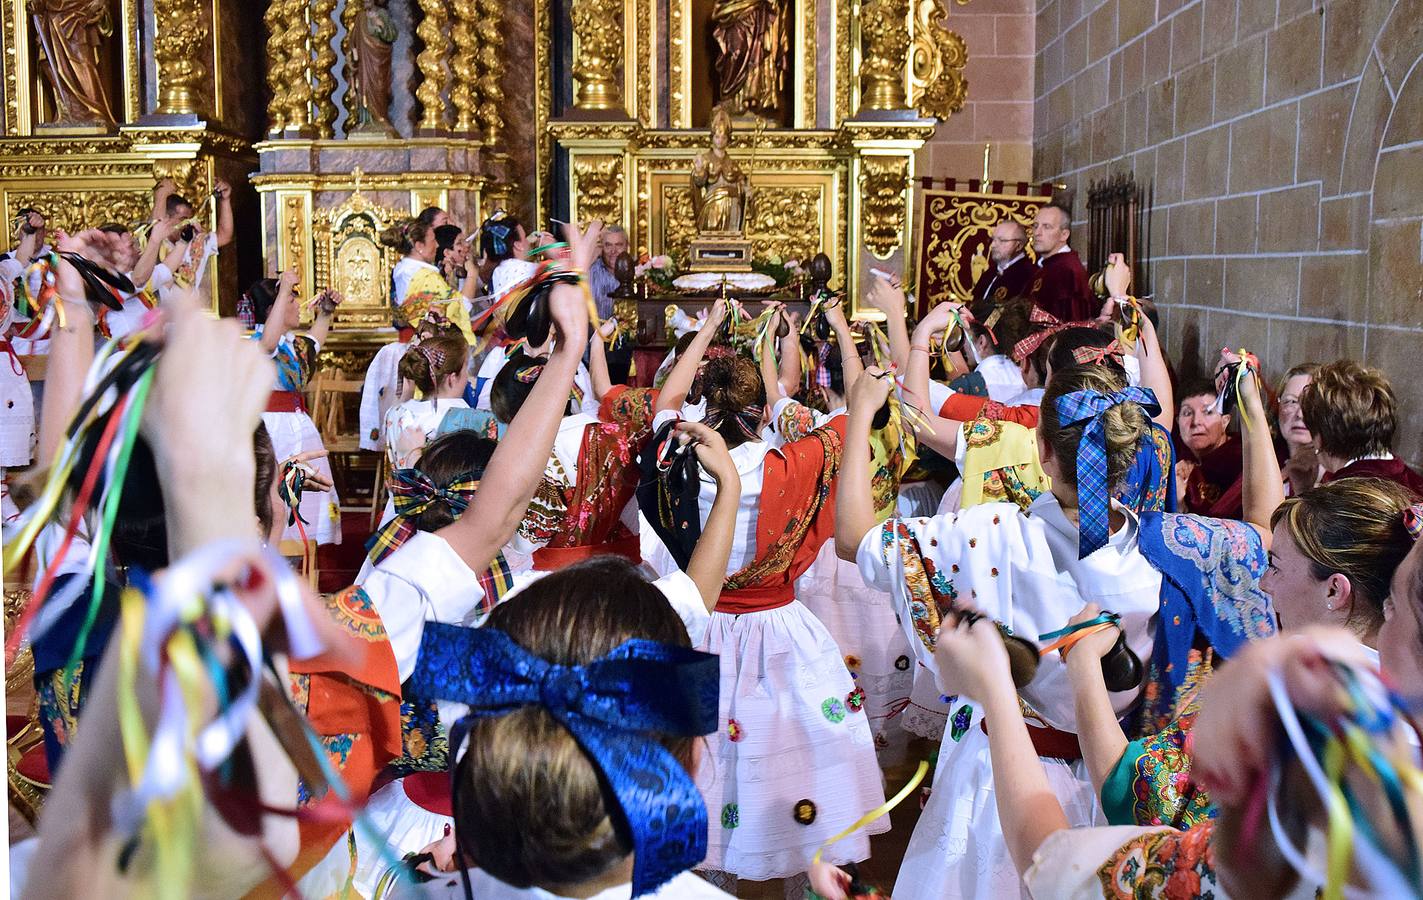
1284 139
999 35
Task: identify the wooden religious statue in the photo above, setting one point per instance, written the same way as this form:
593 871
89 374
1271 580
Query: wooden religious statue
70 32
372 40
752 53
721 198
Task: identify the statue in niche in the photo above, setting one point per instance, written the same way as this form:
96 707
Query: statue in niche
719 189
372 41
70 32
752 53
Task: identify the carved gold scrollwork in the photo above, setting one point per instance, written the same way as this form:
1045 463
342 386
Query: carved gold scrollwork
598 185
276 67
324 67
785 221
937 56
178 41
462 63
884 32
189 175
882 183
433 33
491 71
598 29
68 210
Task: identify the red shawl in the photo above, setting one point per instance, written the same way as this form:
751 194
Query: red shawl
795 519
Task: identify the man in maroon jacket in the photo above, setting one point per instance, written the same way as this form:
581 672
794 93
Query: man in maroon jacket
1060 287
1012 273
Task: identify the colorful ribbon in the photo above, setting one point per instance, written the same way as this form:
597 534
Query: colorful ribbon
1093 495
413 493
883 809
615 707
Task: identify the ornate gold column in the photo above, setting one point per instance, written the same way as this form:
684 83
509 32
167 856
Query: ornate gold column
433 31
462 65
324 67
597 51
491 71
276 68
297 68
884 41
179 38
883 180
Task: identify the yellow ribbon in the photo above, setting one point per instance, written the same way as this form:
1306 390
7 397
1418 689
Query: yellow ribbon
878 811
1341 824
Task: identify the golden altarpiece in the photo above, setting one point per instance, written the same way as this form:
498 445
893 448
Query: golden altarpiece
343 115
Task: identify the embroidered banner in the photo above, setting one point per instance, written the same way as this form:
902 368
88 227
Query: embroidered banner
955 225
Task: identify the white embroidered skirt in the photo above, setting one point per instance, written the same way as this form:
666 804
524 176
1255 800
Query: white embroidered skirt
861 621
293 433
17 416
957 849
792 762
404 827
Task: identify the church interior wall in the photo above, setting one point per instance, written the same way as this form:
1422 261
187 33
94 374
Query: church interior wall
1285 145
1000 37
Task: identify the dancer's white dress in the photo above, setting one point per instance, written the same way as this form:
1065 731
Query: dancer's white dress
1021 569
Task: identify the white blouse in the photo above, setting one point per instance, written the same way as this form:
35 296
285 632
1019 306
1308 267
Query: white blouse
1022 569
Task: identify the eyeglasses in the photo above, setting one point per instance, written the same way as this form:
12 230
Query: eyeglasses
1289 403
1006 241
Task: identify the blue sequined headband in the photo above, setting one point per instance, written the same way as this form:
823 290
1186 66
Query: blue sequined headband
615 707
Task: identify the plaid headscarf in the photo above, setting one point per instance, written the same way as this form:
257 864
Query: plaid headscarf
1093 499
413 493
1051 325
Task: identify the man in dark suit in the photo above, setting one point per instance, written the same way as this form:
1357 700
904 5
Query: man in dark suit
1011 273
1060 287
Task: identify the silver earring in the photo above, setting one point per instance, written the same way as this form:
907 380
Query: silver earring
1329 606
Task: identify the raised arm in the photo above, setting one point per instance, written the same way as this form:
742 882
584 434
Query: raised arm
517 466
972 657
148 259
790 362
286 283
161 192
679 381
321 325
854 505
1098 730
598 359
176 254
916 374
224 213
707 567
71 351
1154 374
770 373
850 365
888 298
1262 488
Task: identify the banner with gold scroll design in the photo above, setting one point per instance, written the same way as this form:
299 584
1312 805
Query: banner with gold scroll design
955 227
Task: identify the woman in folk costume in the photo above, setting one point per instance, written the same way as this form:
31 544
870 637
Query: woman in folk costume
1266 746
1172 580
859 618
417 286
427 577
278 312
793 761
17 403
1334 553
585 504
505 267
438 370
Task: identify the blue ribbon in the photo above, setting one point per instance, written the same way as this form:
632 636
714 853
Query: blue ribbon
1093 500
615 708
